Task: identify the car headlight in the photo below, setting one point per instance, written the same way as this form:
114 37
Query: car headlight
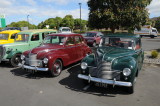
84 65
126 71
22 57
45 60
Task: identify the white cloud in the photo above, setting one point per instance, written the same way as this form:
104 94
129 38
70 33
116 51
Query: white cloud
5 4
64 2
31 2
154 8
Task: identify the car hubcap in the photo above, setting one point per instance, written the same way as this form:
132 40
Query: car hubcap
57 68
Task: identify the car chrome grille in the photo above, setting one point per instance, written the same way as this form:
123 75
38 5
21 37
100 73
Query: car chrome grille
33 61
105 71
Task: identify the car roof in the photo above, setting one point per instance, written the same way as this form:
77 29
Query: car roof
65 34
123 35
36 31
9 31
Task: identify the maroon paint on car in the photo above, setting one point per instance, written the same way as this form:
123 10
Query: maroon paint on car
57 50
93 38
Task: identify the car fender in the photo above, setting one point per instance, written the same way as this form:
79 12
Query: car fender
89 59
126 62
52 56
12 53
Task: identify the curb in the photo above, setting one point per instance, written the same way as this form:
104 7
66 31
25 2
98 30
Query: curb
152 61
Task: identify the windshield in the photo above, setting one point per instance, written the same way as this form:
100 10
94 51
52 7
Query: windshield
118 42
90 34
55 40
21 38
4 36
154 30
66 30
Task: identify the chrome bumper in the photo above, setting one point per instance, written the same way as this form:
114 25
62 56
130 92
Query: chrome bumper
32 68
110 82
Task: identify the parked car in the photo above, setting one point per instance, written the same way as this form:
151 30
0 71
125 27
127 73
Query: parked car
93 38
8 36
117 61
64 30
24 40
11 28
57 50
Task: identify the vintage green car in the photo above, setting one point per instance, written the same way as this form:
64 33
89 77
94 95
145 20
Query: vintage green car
117 61
24 41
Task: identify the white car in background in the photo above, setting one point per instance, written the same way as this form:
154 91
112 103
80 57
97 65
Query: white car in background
65 30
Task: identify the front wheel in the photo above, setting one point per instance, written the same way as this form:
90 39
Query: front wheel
15 60
131 89
152 36
56 68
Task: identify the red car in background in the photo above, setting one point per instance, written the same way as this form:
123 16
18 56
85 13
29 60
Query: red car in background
93 38
57 50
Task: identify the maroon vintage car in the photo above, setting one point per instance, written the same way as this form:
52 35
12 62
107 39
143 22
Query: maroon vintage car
93 38
57 50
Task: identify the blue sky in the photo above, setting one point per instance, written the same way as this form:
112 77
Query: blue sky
40 10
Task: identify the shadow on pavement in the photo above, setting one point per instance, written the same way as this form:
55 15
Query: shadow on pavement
74 83
25 74
5 65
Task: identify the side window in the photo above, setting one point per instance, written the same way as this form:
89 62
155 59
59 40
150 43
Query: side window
13 36
77 40
70 41
35 37
138 44
44 34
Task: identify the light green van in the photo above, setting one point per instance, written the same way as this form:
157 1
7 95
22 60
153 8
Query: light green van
24 41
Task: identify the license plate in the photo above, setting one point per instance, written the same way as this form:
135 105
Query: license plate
101 85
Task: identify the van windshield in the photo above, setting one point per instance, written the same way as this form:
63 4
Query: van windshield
4 36
153 30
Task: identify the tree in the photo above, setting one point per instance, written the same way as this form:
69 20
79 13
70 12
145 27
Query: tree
58 22
22 24
77 23
113 14
157 24
68 21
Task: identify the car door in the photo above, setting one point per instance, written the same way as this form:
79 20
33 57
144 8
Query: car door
35 40
70 49
79 47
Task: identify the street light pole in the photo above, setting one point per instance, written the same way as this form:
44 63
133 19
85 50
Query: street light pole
80 15
28 20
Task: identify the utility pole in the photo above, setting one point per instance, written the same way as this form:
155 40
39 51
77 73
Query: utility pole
28 20
80 16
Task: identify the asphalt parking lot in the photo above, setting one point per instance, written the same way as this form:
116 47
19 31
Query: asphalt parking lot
19 88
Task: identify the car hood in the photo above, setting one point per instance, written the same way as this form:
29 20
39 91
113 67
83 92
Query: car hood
110 53
15 44
43 50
